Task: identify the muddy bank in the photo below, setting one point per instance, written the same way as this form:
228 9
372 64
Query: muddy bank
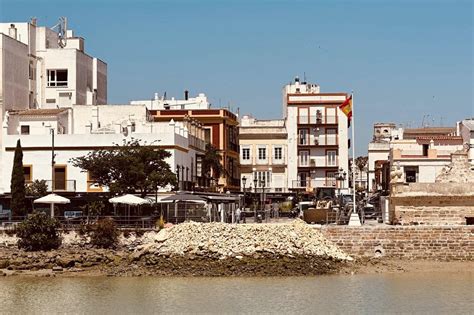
87 262
188 249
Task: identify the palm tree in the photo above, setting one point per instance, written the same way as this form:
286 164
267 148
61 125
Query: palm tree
211 161
361 163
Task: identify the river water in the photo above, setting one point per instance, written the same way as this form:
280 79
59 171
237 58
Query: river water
429 293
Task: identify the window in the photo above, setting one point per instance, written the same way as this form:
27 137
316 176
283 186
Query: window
411 174
425 149
91 183
331 179
304 158
25 130
57 78
331 158
207 135
246 154
262 153
263 177
59 178
28 173
303 136
278 153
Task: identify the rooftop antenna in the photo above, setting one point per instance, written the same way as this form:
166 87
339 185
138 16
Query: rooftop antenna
61 29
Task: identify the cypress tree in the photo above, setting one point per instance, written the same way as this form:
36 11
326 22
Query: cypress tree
18 202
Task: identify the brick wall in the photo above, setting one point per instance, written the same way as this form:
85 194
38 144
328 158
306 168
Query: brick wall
418 242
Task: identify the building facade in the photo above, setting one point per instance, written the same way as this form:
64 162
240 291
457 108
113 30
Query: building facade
46 68
317 136
264 154
422 159
221 131
378 153
81 129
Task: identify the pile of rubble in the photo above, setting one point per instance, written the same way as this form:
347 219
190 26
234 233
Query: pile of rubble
220 240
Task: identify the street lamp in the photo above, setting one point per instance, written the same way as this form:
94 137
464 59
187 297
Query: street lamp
244 181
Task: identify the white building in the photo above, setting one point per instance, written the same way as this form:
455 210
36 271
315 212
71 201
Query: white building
46 68
422 159
379 150
317 136
81 129
161 102
264 154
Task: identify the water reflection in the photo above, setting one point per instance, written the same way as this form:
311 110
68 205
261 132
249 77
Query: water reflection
396 293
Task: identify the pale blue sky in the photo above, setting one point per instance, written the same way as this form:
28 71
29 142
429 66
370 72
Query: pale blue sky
403 59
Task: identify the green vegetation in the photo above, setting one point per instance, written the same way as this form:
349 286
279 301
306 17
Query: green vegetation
105 233
37 189
128 168
18 202
38 232
212 162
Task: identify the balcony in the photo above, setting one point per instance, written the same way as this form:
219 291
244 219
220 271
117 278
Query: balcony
319 141
62 185
313 183
317 120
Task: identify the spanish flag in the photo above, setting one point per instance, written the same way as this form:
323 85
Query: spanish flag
346 107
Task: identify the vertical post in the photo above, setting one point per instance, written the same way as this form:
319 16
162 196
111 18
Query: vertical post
52 160
353 153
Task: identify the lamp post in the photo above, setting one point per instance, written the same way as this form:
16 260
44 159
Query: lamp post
53 155
255 182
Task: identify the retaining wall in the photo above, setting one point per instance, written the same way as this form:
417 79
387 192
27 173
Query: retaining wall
417 242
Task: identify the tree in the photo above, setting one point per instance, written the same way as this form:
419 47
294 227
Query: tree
17 186
37 188
128 168
212 162
39 232
361 164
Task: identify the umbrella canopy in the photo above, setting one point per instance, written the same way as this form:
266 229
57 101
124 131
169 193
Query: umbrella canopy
128 199
52 198
183 197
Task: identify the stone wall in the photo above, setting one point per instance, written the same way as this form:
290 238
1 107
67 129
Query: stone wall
406 242
431 210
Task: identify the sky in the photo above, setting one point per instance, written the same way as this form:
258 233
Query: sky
404 60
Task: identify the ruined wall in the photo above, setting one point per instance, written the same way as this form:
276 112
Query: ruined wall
431 210
407 242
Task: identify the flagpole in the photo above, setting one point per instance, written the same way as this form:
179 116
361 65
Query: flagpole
353 154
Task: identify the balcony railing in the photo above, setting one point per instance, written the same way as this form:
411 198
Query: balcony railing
313 183
62 185
321 140
317 120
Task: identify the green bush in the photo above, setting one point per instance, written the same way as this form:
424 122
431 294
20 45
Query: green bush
38 232
105 233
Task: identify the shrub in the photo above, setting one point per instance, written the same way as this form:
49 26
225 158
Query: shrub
38 232
105 233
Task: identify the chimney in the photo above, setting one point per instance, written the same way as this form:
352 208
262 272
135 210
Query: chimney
12 31
186 95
